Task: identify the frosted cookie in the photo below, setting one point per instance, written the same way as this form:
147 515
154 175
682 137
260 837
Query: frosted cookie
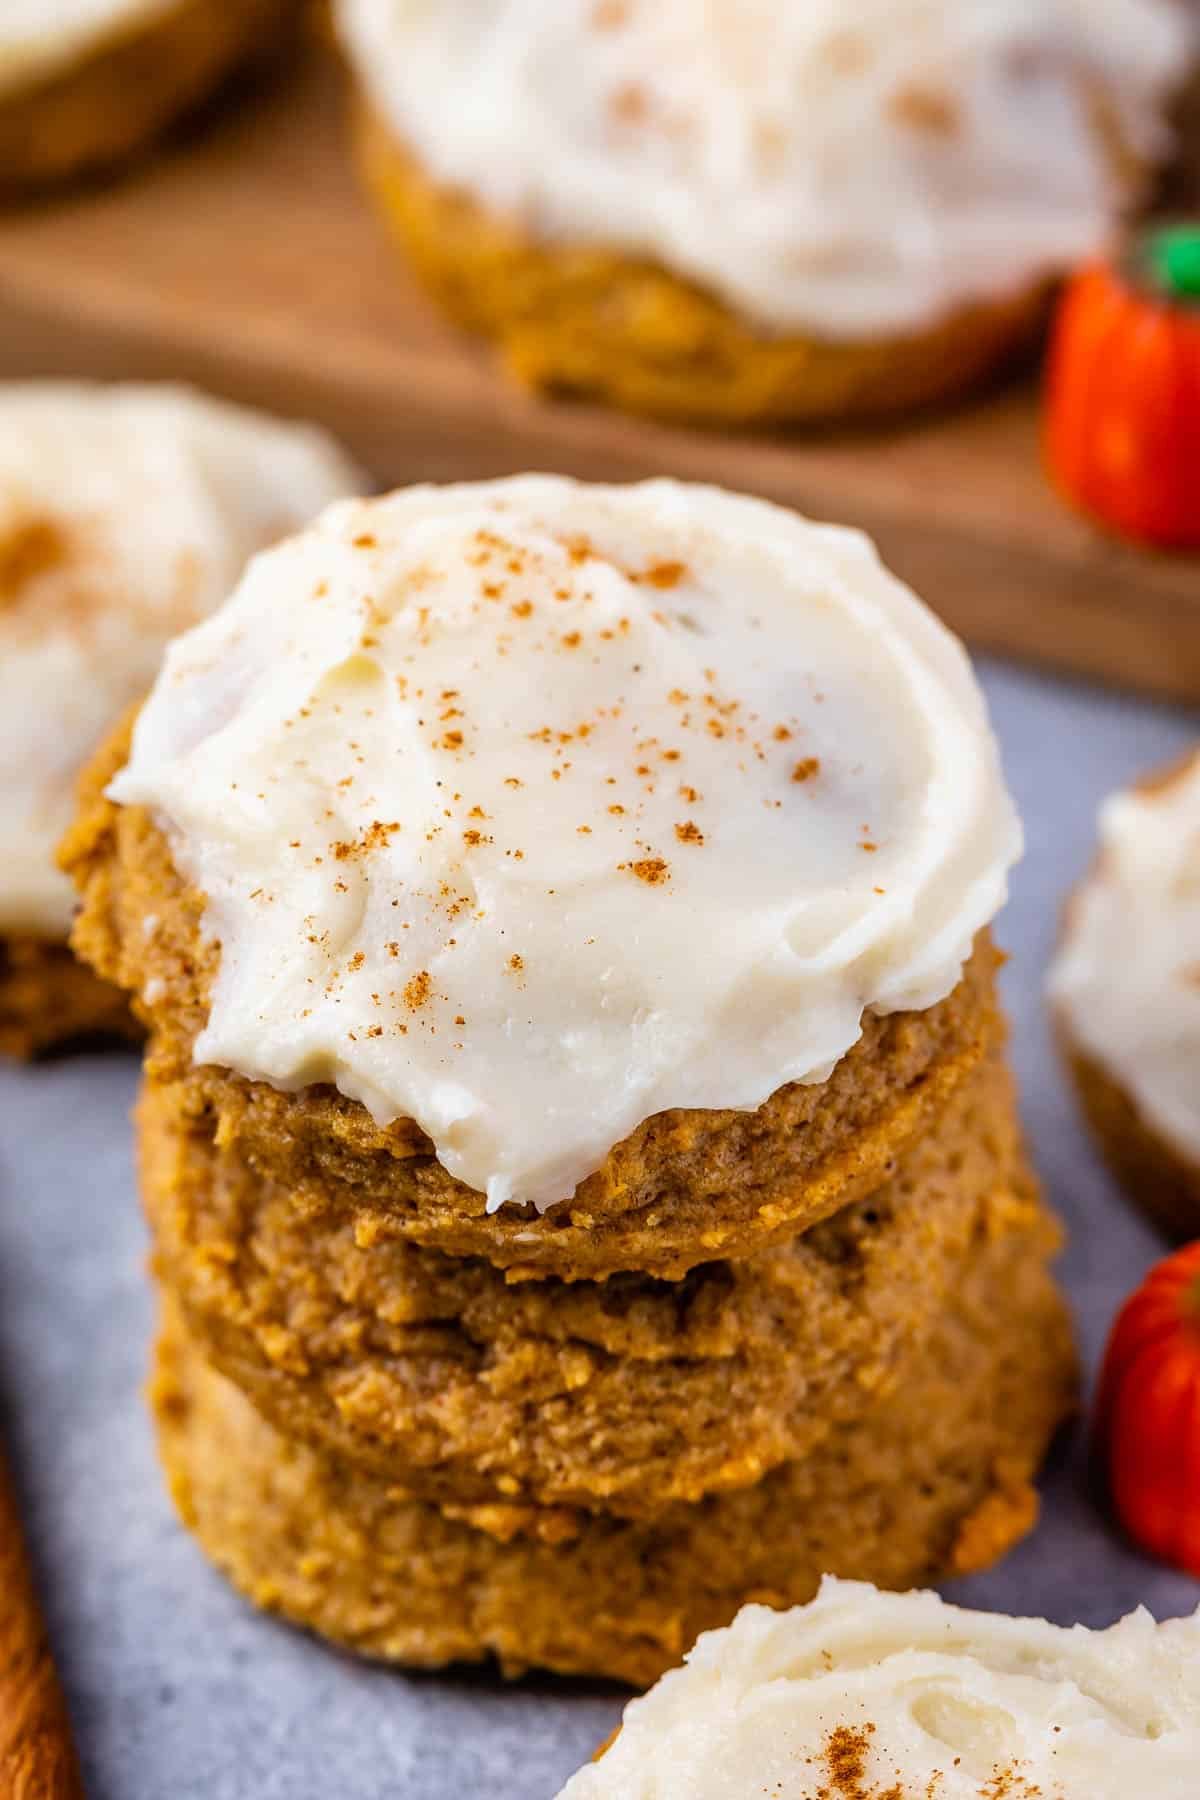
590 878
1125 989
758 213
625 1395
862 1693
126 514
87 83
936 1481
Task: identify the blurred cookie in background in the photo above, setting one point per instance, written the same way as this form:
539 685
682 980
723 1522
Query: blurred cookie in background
85 84
1126 993
126 514
742 213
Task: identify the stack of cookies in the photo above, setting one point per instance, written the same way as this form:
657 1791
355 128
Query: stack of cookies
584 1174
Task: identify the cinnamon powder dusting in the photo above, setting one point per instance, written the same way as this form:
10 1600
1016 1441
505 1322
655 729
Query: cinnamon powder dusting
807 768
629 104
417 990
33 548
845 1755
651 869
924 109
1009 1784
663 575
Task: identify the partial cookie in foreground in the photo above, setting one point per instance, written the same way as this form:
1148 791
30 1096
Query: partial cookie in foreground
774 214
863 1694
126 515
587 878
455 1386
85 84
1125 989
937 1481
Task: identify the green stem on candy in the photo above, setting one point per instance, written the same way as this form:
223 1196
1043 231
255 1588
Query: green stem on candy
1173 255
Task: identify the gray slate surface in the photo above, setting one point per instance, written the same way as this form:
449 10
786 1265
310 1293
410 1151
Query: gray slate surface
177 1688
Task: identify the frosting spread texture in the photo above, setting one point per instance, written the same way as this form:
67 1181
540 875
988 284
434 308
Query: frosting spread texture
126 515
40 38
1127 976
901 1697
842 167
531 809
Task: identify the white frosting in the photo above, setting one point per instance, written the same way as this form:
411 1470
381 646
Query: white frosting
39 38
845 167
1127 976
126 515
901 1697
531 809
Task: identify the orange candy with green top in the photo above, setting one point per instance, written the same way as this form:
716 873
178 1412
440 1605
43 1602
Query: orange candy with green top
1123 390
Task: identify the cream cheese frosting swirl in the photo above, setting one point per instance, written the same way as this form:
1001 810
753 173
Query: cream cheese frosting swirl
531 809
848 168
1127 976
126 515
41 38
900 1695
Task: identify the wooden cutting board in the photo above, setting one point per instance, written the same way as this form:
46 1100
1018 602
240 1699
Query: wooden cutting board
245 259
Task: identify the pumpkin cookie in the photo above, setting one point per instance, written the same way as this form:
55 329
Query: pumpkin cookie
126 514
864 1693
552 869
624 1395
47 998
602 325
935 1482
810 213
84 84
1125 989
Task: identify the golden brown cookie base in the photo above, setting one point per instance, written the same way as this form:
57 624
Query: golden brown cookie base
598 323
625 1395
120 98
937 1483
684 1187
1156 1176
47 999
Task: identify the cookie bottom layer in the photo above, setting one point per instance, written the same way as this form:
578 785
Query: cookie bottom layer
595 322
936 1482
115 101
48 999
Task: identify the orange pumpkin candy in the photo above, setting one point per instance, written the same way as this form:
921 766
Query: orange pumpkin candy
1123 390
1148 1412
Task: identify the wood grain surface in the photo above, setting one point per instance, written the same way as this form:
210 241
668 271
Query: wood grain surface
245 258
37 1757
